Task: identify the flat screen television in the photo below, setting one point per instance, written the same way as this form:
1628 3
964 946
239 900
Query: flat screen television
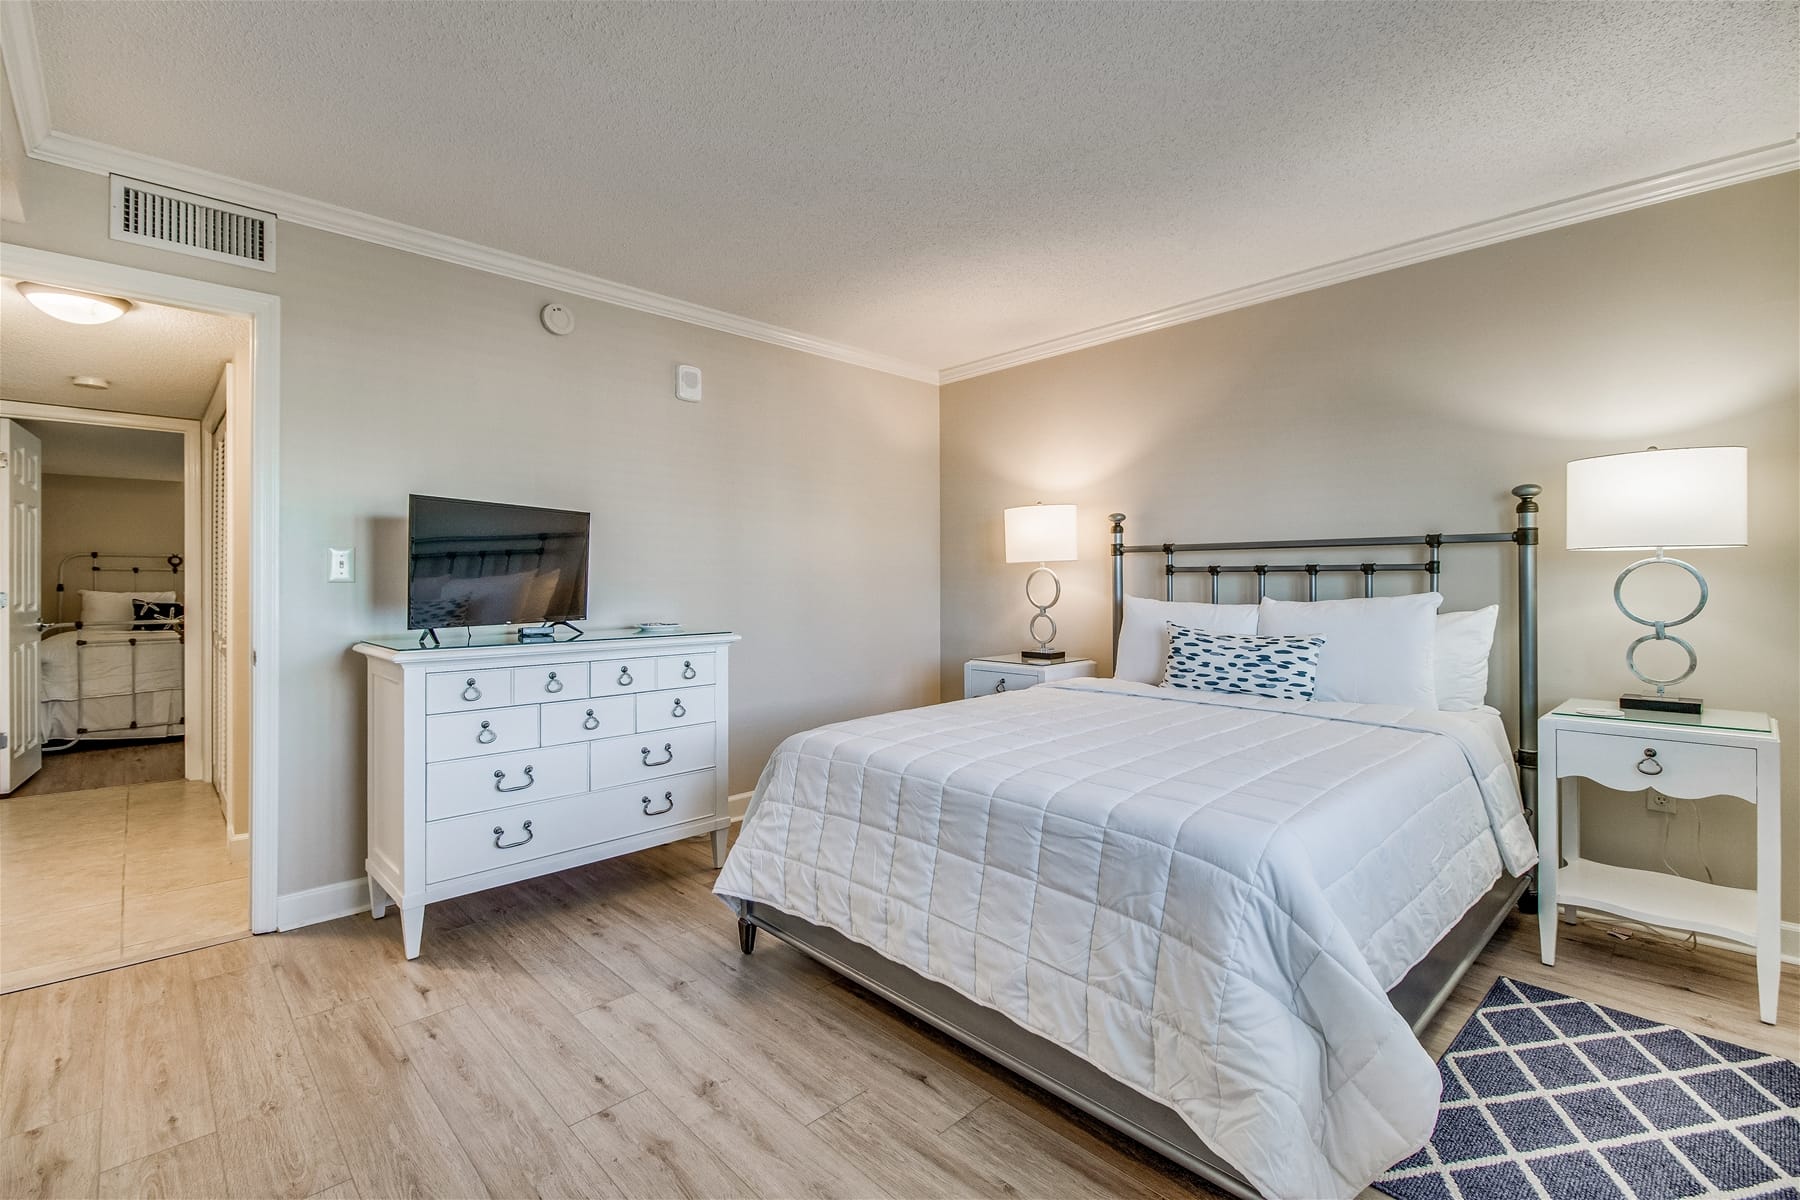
474 563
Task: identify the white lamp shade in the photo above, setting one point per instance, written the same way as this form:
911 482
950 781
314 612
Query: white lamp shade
1040 533
1660 499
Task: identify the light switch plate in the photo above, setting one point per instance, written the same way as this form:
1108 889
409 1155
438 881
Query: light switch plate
687 383
341 567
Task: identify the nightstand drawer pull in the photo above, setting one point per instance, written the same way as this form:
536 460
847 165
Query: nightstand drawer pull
1001 686
667 758
1648 764
500 832
668 803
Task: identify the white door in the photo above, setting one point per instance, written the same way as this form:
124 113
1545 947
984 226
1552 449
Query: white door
21 558
219 611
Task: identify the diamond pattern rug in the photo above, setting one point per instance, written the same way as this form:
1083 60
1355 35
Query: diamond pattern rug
1547 1097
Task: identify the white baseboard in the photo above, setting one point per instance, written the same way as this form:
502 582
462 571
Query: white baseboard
737 803
238 846
1790 943
328 903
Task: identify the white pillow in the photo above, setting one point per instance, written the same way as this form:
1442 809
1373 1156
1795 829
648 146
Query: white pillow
1378 650
1144 633
1464 640
116 606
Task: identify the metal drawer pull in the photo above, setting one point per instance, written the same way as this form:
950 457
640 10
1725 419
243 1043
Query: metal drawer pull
471 693
679 710
668 803
500 832
553 684
625 679
1648 764
501 787
1001 686
592 722
687 670
667 758
487 734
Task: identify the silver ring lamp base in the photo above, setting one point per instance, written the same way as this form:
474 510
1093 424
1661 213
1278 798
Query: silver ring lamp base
1661 702
1043 653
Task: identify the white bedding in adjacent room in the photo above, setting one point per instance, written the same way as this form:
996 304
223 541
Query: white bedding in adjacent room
1206 896
112 691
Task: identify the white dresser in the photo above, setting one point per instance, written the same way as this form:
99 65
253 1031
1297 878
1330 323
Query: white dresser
501 761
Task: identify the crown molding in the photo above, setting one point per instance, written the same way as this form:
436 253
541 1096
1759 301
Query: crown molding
1720 172
43 142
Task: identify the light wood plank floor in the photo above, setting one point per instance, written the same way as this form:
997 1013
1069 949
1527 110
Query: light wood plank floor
598 1034
95 878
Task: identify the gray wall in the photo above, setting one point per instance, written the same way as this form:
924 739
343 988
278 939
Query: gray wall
798 505
1413 400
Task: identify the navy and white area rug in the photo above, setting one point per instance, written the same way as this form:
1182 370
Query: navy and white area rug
1551 1098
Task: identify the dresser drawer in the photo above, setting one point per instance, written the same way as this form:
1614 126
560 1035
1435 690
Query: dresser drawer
461 786
496 731
686 670
978 681
667 710
486 841
621 677
453 691
585 720
552 681
1674 768
668 752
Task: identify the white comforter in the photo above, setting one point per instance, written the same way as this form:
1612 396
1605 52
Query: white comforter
115 682
1205 896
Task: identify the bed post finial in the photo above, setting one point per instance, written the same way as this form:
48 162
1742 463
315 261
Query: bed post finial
1526 537
1118 553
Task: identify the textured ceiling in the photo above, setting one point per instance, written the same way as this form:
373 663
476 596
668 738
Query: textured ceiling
936 182
163 362
108 452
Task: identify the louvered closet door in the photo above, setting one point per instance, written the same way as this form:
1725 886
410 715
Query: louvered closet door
218 598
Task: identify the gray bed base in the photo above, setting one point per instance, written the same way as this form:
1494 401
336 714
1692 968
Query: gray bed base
1417 997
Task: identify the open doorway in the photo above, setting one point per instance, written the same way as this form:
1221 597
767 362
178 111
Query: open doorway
118 828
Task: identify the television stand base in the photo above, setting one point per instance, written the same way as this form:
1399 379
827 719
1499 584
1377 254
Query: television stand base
546 632
429 637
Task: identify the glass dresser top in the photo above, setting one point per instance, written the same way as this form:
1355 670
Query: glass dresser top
470 638
1711 718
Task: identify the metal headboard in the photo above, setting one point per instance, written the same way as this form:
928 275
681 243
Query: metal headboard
1523 535
101 562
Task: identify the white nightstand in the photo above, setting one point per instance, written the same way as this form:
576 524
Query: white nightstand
1720 753
1011 672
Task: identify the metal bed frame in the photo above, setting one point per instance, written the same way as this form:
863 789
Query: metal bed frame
1417 996
101 562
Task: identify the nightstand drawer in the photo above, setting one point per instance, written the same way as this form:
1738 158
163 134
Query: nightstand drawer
978 681
1674 768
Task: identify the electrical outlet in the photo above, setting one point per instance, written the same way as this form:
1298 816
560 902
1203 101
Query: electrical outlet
1657 802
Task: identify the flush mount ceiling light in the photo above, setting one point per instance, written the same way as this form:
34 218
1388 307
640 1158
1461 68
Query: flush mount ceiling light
77 308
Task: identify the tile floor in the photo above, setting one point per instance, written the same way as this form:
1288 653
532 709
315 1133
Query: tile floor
96 878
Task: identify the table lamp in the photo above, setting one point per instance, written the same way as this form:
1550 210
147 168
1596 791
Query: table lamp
1041 533
1660 500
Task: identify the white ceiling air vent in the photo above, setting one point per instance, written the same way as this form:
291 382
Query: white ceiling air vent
152 215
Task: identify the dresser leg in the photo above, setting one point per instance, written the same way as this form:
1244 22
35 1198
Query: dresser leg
721 840
378 900
412 928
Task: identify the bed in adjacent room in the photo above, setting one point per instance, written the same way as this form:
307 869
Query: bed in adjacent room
113 667
1213 919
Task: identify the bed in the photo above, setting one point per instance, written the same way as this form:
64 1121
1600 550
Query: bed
1215 922
105 673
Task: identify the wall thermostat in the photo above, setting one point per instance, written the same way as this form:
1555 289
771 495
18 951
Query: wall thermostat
557 319
687 383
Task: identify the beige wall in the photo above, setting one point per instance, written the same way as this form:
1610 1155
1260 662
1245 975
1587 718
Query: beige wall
1413 400
83 513
798 505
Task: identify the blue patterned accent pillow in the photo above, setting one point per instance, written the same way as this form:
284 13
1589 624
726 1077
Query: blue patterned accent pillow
1282 668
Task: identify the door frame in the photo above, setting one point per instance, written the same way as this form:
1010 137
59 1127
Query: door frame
263 310
193 689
